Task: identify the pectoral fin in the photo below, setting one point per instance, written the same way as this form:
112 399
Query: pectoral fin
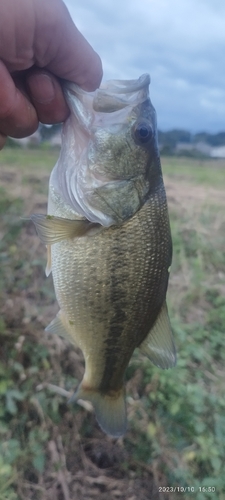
159 345
52 229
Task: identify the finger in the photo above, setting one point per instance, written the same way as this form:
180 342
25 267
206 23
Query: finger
2 140
18 117
47 97
70 57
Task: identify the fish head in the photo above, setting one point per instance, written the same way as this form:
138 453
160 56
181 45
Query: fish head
109 159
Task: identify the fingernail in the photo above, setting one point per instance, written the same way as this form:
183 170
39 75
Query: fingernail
41 88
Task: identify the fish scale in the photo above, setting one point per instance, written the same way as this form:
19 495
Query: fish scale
95 268
109 242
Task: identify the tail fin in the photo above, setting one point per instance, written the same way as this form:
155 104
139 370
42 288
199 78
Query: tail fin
110 410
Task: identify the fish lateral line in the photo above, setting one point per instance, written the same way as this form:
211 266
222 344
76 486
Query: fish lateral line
111 288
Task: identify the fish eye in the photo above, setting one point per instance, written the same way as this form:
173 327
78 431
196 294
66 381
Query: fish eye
143 132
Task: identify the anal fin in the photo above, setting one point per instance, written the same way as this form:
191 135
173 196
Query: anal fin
48 268
159 345
59 327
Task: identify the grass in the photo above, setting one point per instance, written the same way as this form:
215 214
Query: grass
176 432
30 159
204 172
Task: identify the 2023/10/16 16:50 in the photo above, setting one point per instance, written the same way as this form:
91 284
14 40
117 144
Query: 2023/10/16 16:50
185 489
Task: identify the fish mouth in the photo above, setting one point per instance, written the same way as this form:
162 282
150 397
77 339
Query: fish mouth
125 86
93 190
114 86
114 95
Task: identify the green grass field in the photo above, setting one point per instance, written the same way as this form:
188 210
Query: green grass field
205 172
176 434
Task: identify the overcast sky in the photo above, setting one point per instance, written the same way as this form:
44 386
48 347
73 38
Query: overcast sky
181 43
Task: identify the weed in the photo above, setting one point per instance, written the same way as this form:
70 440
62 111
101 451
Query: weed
176 417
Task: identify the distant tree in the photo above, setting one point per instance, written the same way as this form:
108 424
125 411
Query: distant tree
166 150
201 137
212 139
172 137
218 139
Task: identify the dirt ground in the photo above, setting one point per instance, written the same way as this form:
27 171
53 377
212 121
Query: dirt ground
90 466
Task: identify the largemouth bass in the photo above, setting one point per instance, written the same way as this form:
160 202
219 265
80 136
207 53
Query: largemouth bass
109 243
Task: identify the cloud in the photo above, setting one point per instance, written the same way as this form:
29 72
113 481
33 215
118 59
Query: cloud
180 43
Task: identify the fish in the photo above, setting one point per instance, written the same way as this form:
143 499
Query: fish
108 241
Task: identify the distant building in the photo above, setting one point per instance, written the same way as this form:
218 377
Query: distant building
203 147
183 146
218 152
190 147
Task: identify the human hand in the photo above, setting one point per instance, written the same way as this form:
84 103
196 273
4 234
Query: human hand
39 44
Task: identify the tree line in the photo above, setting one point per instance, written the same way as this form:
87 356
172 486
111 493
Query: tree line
173 137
